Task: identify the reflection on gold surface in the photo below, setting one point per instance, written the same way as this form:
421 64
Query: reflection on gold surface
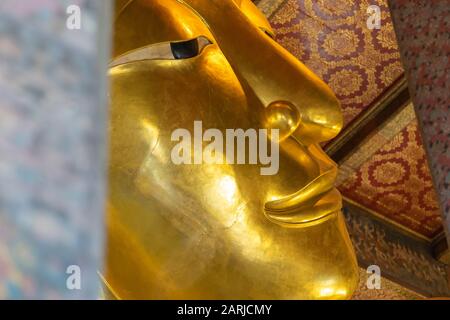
219 231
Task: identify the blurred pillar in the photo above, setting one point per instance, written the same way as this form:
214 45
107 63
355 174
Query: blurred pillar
52 147
423 29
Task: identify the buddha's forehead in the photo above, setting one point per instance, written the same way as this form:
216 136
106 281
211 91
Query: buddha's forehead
140 23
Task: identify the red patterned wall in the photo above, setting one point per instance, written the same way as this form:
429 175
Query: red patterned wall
332 38
396 182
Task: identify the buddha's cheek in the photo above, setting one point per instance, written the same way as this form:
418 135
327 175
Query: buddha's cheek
203 240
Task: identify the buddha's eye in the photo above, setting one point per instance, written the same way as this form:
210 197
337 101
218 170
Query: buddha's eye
188 49
185 49
164 51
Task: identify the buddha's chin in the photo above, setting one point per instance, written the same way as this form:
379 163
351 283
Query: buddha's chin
322 208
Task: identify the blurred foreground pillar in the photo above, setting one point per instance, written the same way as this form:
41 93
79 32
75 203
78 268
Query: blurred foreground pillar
52 147
423 33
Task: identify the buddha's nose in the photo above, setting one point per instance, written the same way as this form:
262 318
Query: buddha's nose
276 77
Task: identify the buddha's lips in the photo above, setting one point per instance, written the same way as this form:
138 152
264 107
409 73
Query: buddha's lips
326 204
317 187
310 205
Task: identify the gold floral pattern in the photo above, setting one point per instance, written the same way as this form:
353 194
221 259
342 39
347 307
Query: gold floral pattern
396 183
349 81
388 75
386 38
342 42
332 9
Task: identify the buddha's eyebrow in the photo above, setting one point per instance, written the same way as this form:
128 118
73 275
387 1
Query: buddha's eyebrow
175 50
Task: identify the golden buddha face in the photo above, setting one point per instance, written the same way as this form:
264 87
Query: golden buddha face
219 230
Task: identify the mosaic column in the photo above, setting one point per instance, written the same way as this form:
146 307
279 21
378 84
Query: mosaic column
423 33
53 56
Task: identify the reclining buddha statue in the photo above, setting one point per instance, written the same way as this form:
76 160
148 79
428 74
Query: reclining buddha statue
219 229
